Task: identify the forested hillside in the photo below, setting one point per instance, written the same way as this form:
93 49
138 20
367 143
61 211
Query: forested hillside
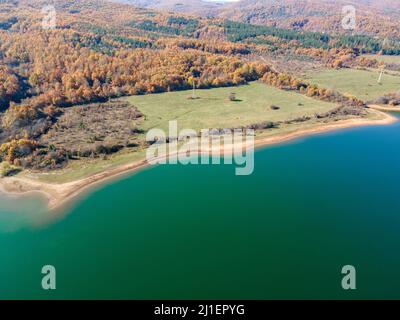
374 17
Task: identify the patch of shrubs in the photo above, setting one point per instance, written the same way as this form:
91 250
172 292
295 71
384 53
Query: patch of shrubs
344 110
391 99
7 170
298 120
96 150
263 125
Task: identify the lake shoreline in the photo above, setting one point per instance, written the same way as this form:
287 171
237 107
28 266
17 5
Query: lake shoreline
384 108
60 195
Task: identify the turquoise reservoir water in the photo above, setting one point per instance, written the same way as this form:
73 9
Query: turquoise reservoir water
311 207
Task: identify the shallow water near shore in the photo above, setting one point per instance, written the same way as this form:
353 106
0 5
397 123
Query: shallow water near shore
18 212
311 206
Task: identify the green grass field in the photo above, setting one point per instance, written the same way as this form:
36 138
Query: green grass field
359 83
213 109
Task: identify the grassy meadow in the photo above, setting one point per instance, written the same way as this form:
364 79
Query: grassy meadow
213 109
359 83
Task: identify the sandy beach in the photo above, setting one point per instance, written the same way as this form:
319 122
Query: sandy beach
59 195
